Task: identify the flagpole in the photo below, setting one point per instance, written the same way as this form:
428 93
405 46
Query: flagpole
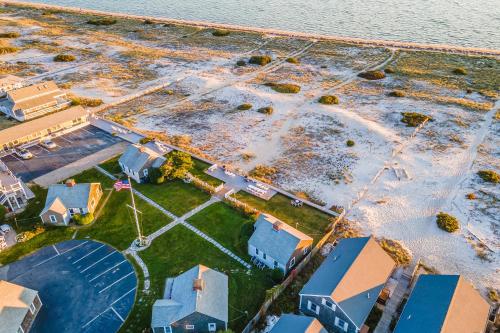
142 240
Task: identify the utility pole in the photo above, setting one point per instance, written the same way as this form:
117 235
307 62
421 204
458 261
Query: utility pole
141 240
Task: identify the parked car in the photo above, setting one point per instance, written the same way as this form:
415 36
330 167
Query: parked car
24 154
48 143
5 228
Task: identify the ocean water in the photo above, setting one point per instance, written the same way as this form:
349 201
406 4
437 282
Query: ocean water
472 23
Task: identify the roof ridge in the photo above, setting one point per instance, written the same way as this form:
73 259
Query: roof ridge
452 300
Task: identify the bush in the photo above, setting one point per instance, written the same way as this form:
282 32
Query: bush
145 140
397 252
148 21
266 110
87 102
155 176
489 176
221 33
372 75
277 275
3 211
471 196
447 222
293 60
244 106
350 143
413 119
177 165
460 71
284 88
9 35
389 70
64 58
83 219
241 63
263 172
102 21
27 235
397 93
260 60
8 49
328 99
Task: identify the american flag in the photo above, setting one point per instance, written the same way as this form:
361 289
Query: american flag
121 184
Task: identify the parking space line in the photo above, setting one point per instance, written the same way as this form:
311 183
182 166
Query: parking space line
85 256
119 298
95 277
123 277
89 132
98 261
116 313
75 247
62 137
48 151
55 248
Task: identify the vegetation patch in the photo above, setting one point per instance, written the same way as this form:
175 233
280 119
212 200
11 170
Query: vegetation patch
471 196
64 58
241 63
266 110
447 222
284 88
460 71
372 75
221 33
264 172
83 219
489 176
148 21
397 252
8 49
328 100
244 107
261 60
389 70
102 21
397 93
293 60
413 119
350 143
9 35
86 102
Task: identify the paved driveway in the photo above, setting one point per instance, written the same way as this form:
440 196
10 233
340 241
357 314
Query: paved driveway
71 147
85 286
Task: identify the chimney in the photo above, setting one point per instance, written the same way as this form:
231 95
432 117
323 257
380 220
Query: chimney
70 183
277 225
198 285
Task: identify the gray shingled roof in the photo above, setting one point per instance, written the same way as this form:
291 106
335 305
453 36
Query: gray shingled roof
138 157
353 275
180 300
280 245
76 196
290 323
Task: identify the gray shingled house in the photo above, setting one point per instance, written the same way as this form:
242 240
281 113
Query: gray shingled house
276 244
195 301
19 307
344 289
290 323
137 160
444 304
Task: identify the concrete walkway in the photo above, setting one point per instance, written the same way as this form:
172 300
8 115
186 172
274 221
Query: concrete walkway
81 165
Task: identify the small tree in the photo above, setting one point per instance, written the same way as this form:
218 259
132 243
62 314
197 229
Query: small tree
177 165
156 176
447 222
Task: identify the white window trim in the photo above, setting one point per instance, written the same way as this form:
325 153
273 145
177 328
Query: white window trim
167 329
292 262
53 218
344 327
189 327
32 308
145 172
212 327
309 307
333 307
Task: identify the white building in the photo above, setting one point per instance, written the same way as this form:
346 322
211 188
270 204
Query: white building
13 194
9 82
137 160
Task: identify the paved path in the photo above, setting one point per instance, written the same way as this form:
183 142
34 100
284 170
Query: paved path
145 271
81 165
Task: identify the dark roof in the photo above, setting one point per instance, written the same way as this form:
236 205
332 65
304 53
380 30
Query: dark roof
443 304
353 275
290 323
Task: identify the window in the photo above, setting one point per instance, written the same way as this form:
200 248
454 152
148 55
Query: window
313 307
292 262
257 251
328 304
32 308
92 203
53 218
306 250
276 264
212 327
341 324
167 329
145 172
189 327
264 255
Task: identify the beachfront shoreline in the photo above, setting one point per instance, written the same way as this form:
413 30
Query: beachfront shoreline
274 32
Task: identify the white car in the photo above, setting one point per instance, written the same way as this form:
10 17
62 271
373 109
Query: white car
48 143
24 154
4 229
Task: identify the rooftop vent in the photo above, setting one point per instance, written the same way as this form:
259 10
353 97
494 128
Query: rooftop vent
198 284
70 183
277 225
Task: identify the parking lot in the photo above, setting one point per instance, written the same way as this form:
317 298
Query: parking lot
85 286
70 147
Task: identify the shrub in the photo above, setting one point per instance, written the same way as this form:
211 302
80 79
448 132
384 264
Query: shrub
87 102
389 70
489 176
397 252
177 165
8 49
3 211
64 58
277 275
493 295
221 33
9 35
266 110
148 21
328 99
241 63
83 219
413 119
263 172
372 75
244 106
145 140
155 176
284 88
397 93
460 71
293 60
447 222
27 235
102 21
260 60
471 196
350 143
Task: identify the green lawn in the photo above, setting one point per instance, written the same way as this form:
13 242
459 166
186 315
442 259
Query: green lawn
307 219
226 225
179 250
112 166
198 171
